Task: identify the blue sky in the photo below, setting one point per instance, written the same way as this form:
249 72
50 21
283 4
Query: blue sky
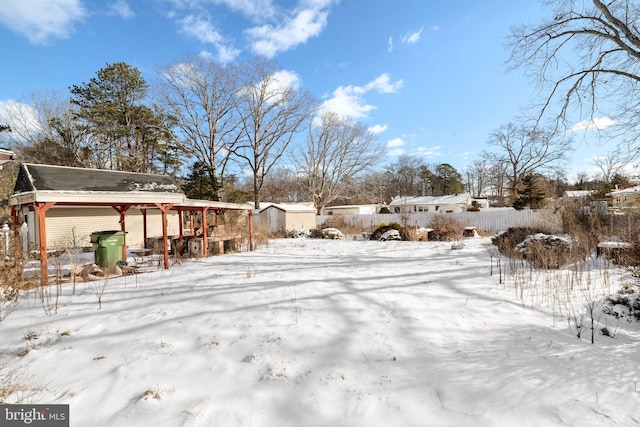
429 76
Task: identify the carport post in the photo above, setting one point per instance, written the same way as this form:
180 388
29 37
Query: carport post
205 243
40 209
164 207
122 210
251 229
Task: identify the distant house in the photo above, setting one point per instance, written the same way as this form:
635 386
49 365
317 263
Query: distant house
628 198
483 203
351 210
6 156
285 217
577 195
441 204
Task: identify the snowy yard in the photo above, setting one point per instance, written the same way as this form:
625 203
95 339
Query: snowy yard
320 333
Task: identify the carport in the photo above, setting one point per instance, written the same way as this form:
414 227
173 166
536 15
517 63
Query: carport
44 186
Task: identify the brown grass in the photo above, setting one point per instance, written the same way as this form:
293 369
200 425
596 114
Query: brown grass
445 228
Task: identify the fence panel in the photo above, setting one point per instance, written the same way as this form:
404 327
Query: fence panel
490 221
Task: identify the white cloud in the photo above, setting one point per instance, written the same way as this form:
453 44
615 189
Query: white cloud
428 152
255 9
396 153
275 85
383 84
377 129
202 29
390 48
598 123
412 38
122 9
285 79
395 142
306 22
41 20
347 101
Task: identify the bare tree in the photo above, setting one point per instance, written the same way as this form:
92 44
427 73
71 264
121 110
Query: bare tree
44 130
524 151
497 181
337 151
409 176
282 186
615 161
478 178
585 52
272 112
201 97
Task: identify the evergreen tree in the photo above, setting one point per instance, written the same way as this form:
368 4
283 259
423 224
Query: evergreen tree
125 132
530 193
199 184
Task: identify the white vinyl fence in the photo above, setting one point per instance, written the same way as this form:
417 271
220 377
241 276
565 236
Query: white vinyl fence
489 220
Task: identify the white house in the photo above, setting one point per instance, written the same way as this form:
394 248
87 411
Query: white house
577 195
443 204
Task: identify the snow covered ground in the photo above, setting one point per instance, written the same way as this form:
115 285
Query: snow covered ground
321 333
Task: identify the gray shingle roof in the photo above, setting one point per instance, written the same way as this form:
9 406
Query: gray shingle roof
34 177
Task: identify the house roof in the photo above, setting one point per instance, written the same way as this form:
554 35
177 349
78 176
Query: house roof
79 186
351 206
577 194
630 190
289 207
453 199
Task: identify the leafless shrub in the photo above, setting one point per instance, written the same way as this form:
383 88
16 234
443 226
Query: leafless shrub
586 228
13 279
508 240
545 251
411 233
445 228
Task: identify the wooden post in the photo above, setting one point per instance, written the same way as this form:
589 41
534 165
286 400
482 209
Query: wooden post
205 244
144 228
122 210
251 230
40 209
164 207
16 222
181 231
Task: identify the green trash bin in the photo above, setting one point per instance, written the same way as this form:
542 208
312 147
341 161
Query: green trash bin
108 247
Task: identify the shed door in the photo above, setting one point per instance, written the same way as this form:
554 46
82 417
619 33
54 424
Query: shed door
273 220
